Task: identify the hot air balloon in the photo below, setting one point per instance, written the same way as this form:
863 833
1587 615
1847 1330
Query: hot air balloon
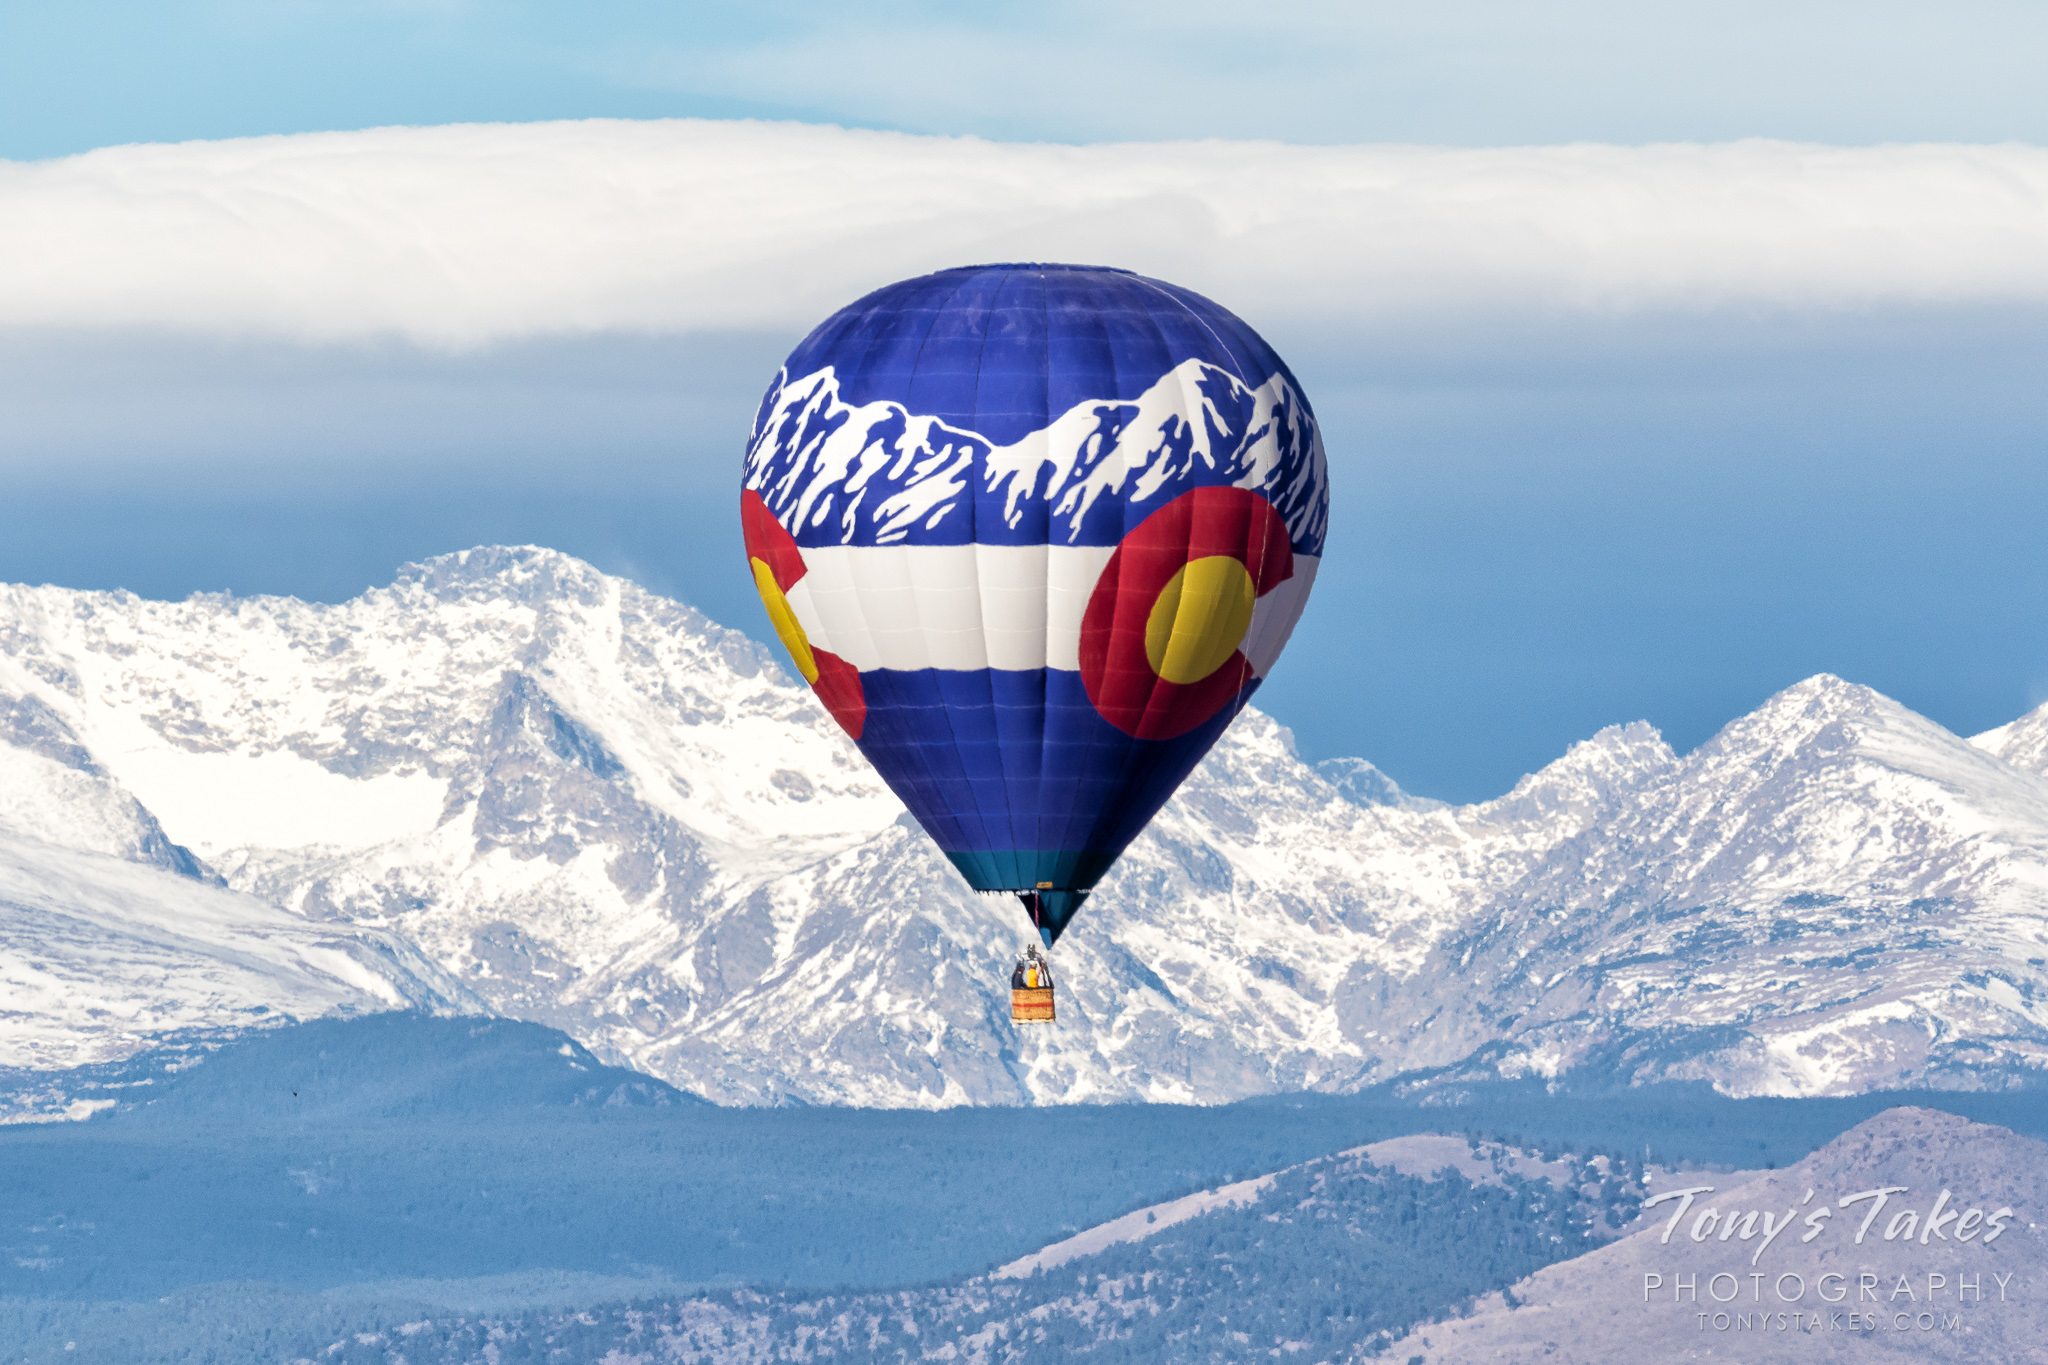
1034 534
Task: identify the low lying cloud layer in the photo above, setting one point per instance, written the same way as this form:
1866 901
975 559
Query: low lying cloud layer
460 236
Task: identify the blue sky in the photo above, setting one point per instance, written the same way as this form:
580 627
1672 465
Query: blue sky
1661 478
1498 72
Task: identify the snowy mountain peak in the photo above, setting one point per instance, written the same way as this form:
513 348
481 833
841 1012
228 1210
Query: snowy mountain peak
515 572
1822 710
1362 784
1593 776
1861 789
2023 743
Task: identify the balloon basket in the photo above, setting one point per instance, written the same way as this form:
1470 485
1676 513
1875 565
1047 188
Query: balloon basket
1031 986
1031 1006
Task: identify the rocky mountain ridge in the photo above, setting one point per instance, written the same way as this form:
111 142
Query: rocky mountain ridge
101 956
588 806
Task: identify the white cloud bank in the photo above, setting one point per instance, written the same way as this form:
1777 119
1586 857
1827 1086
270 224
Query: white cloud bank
465 235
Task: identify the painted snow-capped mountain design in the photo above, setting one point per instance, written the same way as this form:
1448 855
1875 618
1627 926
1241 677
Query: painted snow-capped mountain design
875 473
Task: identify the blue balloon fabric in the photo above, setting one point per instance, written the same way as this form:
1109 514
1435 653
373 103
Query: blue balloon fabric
1034 533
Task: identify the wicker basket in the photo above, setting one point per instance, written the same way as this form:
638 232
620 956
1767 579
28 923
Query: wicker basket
1031 1006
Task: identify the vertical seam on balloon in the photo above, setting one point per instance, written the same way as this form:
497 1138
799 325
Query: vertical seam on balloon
1152 695
931 774
1260 527
974 538
1067 840
1156 696
1279 368
1222 345
1202 322
1039 841
1019 841
1155 753
1088 836
1181 606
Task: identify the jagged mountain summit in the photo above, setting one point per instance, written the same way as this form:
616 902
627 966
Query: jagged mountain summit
2022 743
1360 783
1834 894
590 807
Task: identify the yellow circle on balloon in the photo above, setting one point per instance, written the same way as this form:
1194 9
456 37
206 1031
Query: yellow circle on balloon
784 619
1200 618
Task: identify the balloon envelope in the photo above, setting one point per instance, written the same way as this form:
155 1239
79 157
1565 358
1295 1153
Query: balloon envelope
1034 534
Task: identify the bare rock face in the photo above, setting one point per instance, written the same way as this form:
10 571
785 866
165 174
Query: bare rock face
1916 1235
53 791
594 808
1360 783
100 955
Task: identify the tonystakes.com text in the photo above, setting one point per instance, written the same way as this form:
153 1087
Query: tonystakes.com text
1856 1301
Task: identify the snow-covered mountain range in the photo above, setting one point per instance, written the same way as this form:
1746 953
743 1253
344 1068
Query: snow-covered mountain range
510 782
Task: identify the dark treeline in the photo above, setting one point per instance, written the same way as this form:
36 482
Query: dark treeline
1335 1258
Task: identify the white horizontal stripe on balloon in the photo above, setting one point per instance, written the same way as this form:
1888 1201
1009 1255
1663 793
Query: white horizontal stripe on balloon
948 606
971 607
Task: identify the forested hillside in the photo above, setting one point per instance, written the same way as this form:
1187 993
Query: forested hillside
242 1200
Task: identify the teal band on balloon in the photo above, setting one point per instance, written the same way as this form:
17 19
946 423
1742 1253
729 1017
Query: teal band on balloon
1033 869
1060 878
